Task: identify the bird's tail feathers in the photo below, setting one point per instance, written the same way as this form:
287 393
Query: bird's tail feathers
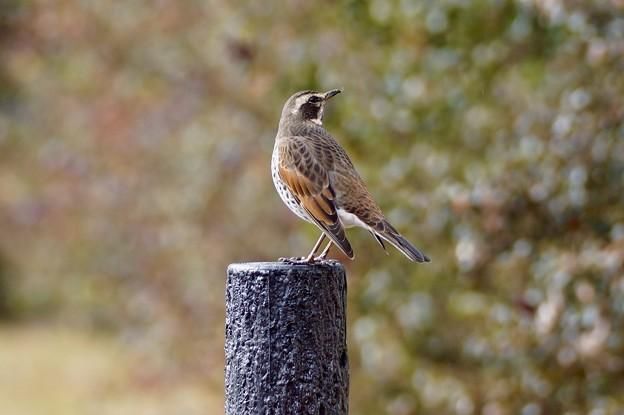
395 238
380 241
336 233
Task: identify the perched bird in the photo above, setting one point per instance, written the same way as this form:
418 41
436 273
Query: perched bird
316 179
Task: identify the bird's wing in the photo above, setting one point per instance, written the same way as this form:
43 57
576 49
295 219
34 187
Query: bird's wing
357 200
304 170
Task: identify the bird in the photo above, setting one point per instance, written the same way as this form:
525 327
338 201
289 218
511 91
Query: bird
318 182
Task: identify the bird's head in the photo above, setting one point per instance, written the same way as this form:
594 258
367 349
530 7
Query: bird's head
307 106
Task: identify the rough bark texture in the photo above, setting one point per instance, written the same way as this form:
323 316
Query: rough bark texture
285 339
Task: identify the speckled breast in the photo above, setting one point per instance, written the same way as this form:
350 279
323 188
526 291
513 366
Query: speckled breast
283 191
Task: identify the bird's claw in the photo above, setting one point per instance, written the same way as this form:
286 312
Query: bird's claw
295 260
303 260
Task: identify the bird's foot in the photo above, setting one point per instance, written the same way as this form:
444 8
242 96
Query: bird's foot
325 260
297 260
306 260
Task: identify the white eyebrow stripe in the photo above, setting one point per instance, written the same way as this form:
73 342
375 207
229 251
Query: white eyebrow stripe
299 101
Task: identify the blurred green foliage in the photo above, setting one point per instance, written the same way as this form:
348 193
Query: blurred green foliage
134 166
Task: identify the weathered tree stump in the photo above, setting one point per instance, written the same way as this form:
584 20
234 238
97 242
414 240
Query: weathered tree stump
285 339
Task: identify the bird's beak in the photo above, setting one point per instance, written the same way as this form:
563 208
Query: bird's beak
331 93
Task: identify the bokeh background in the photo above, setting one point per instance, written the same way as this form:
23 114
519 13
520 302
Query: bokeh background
135 142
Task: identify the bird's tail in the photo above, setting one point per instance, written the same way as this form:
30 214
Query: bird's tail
387 232
337 235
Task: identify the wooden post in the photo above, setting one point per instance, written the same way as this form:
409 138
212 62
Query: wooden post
285 339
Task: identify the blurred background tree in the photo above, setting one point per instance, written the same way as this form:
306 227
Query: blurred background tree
135 141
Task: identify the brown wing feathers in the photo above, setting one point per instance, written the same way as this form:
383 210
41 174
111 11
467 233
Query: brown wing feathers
390 234
317 203
309 183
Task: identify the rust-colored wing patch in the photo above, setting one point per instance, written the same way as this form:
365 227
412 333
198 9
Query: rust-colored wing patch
308 181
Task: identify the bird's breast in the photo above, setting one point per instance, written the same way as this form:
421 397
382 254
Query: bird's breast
283 191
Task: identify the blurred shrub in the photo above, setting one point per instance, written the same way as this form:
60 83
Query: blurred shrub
7 310
134 167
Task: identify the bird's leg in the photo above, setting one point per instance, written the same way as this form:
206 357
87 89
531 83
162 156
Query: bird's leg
325 251
310 258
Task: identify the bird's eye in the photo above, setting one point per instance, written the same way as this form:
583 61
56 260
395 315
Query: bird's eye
314 99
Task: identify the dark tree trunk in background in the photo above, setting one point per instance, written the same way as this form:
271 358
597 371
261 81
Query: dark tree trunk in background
285 339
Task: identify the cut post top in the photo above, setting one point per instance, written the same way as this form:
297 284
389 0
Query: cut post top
281 265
